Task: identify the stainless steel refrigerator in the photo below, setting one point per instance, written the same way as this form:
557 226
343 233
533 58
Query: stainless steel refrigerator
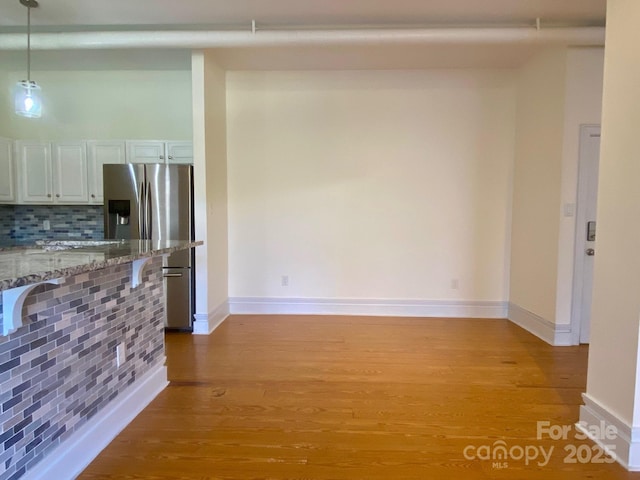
155 202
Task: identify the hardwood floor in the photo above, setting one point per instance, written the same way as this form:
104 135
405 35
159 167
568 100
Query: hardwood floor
295 397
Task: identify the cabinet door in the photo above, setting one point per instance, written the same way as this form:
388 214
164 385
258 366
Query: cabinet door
180 152
34 172
145 151
99 154
70 172
7 177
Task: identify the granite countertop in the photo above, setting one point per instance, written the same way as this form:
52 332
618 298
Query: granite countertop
25 265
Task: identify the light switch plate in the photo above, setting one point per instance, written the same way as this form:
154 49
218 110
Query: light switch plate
569 209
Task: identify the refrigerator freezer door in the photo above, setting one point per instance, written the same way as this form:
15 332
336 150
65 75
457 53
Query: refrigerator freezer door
123 195
178 298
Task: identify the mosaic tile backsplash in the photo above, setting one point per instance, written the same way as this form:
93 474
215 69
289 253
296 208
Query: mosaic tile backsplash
24 223
60 369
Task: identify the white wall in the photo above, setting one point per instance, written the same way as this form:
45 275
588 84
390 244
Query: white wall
216 177
370 184
536 185
4 103
107 104
558 91
210 191
613 353
583 106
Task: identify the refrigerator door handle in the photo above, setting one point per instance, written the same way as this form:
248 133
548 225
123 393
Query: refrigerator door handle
141 219
149 213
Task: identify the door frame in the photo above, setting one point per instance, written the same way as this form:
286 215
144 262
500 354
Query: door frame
586 132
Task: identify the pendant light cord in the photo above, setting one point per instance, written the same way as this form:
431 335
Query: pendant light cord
29 44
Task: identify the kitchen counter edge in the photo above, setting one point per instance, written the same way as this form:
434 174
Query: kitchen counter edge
152 249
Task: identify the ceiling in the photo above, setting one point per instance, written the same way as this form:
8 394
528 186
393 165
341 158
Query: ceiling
112 13
55 16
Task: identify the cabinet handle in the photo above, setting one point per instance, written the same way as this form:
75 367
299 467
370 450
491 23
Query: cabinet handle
57 195
161 157
93 196
49 195
170 157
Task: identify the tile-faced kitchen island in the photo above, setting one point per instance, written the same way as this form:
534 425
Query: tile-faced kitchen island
66 390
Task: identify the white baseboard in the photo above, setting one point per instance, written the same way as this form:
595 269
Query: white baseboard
626 444
554 334
205 323
376 307
72 456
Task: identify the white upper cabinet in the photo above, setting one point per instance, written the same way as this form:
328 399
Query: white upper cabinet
101 153
145 151
34 172
70 169
52 173
180 152
71 172
158 151
7 175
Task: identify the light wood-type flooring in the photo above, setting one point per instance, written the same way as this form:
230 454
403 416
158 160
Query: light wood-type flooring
321 397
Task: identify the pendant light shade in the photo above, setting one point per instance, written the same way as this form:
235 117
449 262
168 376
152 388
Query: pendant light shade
28 102
27 99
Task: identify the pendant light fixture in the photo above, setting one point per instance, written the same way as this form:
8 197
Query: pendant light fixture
28 102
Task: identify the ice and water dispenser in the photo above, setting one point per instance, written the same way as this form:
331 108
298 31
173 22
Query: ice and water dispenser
119 214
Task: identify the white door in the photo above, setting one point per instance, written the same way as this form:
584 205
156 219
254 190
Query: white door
70 172
145 151
180 152
34 172
99 154
7 177
586 229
